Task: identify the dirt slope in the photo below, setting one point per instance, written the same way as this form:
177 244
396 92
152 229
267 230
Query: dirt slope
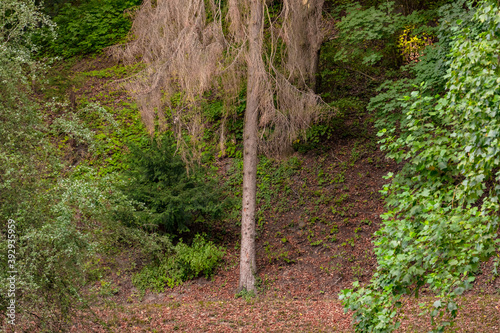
315 234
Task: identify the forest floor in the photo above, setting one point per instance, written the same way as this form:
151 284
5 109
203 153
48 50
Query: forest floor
315 229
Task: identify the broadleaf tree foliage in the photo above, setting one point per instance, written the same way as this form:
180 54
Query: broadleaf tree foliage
49 249
193 48
54 210
443 205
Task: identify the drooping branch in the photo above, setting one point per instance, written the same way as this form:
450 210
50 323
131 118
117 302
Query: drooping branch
183 52
303 33
187 54
288 104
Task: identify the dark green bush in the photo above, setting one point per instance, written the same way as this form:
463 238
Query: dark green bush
173 198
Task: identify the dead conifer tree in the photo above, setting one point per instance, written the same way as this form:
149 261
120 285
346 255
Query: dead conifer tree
186 53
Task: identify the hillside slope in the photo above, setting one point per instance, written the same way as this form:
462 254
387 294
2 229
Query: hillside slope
318 211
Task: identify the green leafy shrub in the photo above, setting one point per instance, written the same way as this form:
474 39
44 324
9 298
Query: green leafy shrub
157 276
431 67
201 257
47 250
55 214
173 198
362 29
443 205
366 50
370 35
180 264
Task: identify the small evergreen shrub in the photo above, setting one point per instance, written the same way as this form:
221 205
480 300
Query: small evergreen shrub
172 197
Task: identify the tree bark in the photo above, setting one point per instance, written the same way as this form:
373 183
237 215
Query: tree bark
247 261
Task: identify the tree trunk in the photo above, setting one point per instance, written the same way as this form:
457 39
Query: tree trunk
247 260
